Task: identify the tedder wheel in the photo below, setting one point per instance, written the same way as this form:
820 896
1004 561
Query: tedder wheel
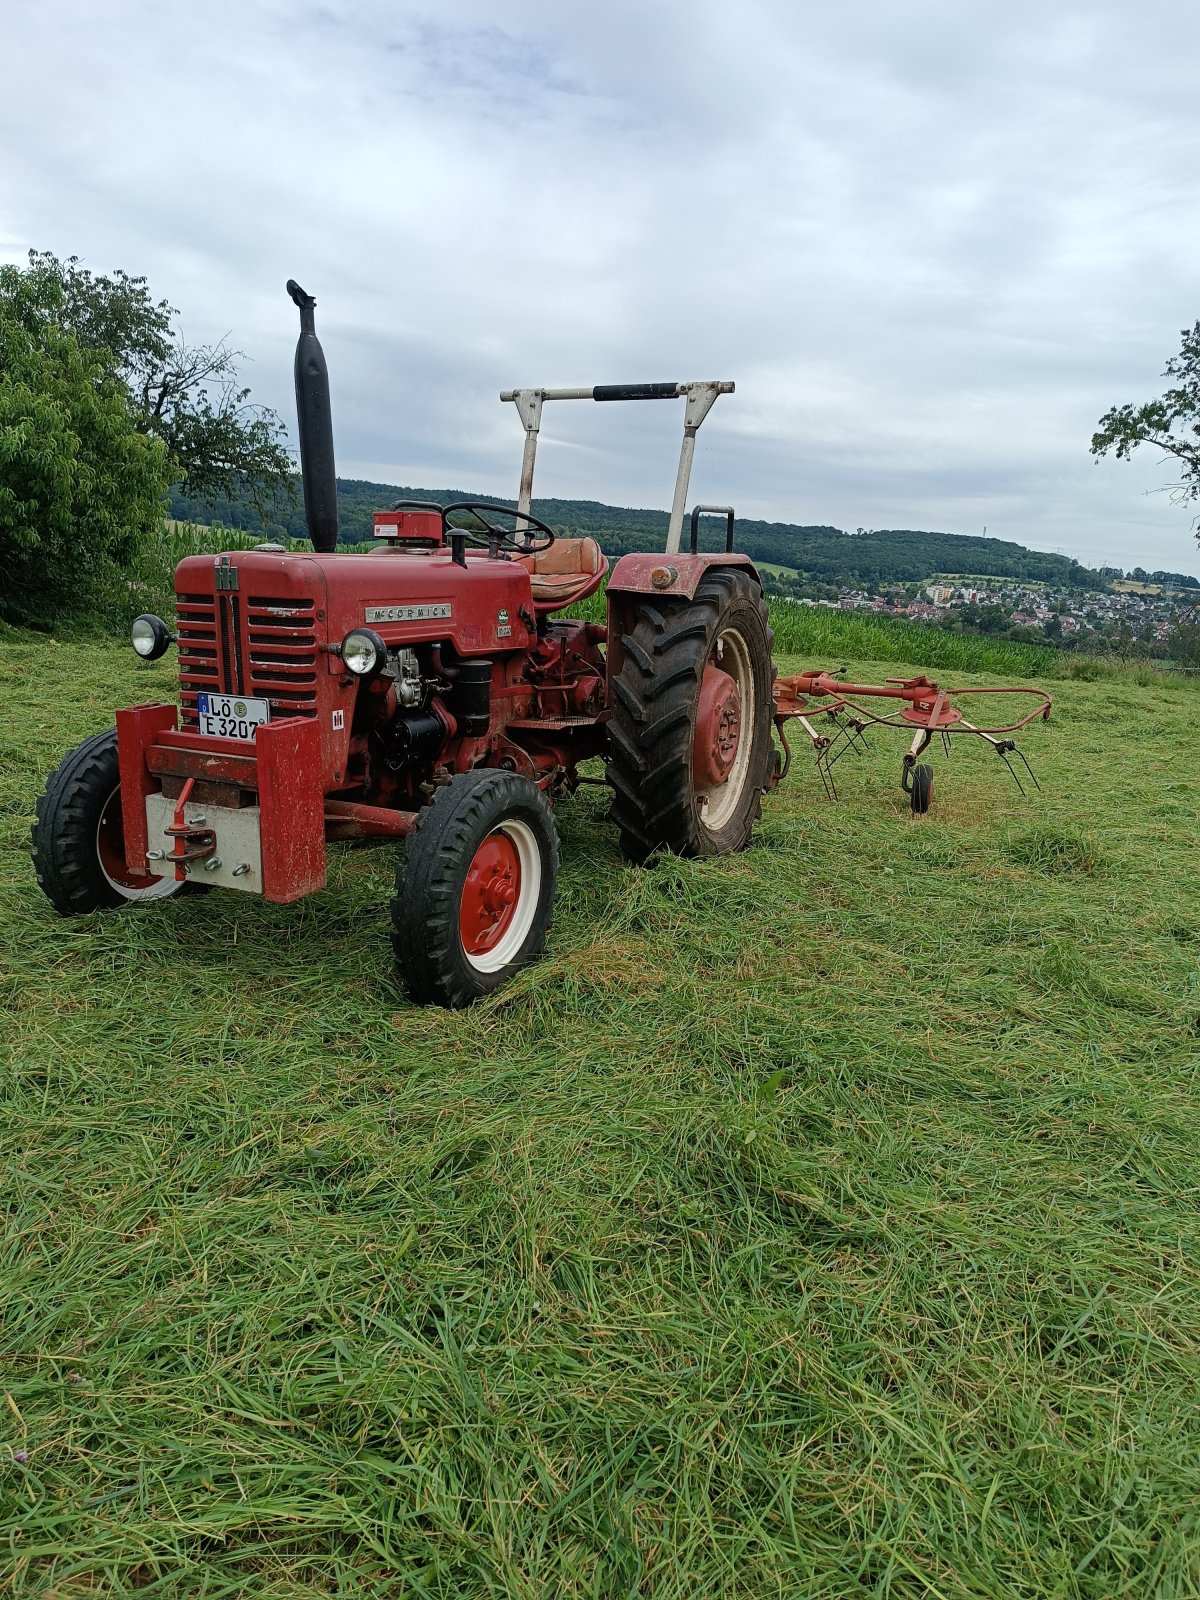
690 750
474 890
921 794
79 840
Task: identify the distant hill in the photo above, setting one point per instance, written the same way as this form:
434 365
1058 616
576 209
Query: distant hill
827 555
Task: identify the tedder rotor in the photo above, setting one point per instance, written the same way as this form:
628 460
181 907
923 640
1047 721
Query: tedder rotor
431 691
929 709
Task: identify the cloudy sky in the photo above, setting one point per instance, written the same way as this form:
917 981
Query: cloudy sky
932 243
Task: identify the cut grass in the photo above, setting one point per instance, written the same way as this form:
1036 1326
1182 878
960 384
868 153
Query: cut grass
816 1222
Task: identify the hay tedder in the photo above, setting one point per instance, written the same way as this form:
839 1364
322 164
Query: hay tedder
432 691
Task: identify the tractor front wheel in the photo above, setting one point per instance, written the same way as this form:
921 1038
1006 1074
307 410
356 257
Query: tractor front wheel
79 837
474 891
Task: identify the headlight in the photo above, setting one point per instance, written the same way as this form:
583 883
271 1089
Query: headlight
150 637
363 652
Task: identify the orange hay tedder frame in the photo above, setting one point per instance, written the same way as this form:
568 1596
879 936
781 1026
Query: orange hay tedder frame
928 710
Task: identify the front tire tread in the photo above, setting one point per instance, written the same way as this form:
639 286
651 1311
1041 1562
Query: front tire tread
430 960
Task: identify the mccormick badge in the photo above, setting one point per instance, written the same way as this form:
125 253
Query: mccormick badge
441 608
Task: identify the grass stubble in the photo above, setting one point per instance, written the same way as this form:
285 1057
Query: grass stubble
817 1222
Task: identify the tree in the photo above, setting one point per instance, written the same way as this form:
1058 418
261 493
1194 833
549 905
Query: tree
1184 643
80 483
221 445
1171 423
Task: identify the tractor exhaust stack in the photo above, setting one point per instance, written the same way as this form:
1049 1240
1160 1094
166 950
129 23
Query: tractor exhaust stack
315 421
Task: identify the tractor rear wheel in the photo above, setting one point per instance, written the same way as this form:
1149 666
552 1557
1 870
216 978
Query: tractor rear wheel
475 887
690 751
79 838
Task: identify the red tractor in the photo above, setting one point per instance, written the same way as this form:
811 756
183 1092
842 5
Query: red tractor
430 691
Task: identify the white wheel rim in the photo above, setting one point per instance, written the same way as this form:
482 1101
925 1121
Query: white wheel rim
508 946
718 805
156 889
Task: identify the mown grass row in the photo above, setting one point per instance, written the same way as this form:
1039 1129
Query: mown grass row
818 1222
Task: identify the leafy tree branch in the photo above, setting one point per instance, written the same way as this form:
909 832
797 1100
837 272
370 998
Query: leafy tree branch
189 396
1170 423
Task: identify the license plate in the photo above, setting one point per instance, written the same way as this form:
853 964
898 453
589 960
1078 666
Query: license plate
231 716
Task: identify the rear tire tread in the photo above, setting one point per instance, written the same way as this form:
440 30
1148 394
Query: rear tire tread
651 727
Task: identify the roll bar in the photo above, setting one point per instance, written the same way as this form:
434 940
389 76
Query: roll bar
700 397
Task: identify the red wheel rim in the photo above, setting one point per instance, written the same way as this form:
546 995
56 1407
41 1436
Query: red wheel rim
491 894
718 729
110 845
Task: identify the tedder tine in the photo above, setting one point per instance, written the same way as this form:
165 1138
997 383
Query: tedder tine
1005 747
850 737
1025 764
1002 752
853 732
827 783
839 746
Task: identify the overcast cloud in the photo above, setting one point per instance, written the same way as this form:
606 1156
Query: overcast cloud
932 243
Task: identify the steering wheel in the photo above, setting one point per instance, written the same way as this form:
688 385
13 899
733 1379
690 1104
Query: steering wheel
519 538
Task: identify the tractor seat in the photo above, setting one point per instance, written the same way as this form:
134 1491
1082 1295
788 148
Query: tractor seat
570 570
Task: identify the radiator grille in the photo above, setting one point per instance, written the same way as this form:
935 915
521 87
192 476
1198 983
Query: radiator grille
199 663
283 654
276 659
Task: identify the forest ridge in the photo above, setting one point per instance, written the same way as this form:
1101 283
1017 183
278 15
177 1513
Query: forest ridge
829 555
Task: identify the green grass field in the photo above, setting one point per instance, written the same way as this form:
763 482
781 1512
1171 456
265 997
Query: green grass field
817 1222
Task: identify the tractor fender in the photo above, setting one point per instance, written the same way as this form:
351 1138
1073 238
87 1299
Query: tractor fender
632 581
635 574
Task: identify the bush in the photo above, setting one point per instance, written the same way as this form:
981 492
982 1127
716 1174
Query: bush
80 488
